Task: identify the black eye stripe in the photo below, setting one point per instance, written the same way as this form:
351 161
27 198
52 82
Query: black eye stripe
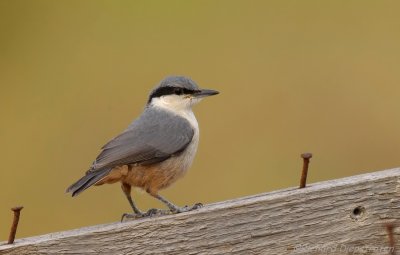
163 91
178 91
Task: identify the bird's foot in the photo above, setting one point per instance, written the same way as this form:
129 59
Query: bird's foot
186 208
132 216
150 213
156 212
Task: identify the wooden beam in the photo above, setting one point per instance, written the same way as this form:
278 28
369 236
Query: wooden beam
343 216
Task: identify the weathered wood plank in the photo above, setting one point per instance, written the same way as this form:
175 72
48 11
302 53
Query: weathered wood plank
320 219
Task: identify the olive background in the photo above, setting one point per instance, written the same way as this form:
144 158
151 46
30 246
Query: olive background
294 76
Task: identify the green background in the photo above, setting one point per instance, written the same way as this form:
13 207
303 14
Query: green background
294 76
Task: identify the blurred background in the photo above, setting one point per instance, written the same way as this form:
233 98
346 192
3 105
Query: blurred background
294 76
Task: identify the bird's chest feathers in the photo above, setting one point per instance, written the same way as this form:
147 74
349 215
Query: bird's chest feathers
187 156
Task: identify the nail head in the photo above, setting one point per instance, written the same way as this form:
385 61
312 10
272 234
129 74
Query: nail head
17 208
306 155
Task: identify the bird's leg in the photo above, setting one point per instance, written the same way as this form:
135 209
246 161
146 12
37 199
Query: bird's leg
174 208
126 188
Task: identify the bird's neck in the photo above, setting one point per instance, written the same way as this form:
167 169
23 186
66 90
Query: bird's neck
181 109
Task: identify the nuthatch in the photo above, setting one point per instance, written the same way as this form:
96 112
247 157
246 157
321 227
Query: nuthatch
156 149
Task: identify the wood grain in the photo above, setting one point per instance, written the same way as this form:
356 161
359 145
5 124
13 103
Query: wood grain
343 216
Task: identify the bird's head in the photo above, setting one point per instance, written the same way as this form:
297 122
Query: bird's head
178 93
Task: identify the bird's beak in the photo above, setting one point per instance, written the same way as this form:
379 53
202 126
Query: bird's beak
205 93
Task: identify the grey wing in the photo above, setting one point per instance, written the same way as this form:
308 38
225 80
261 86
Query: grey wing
153 137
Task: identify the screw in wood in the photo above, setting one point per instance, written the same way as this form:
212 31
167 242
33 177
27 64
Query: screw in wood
389 230
306 161
17 212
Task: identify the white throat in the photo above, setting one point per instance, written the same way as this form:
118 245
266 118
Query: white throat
179 105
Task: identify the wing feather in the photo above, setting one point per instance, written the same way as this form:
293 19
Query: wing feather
153 137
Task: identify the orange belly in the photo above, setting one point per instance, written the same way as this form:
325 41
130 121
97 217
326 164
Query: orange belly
150 178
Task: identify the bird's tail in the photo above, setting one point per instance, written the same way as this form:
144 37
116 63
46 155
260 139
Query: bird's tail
91 177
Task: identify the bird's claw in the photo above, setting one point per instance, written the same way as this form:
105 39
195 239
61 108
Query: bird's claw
158 212
153 212
150 213
187 208
132 216
197 206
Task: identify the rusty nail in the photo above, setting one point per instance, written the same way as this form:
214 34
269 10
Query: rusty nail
306 161
389 229
17 211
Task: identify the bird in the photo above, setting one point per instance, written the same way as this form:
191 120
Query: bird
156 149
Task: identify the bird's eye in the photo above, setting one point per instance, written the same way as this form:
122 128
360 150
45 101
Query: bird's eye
178 91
